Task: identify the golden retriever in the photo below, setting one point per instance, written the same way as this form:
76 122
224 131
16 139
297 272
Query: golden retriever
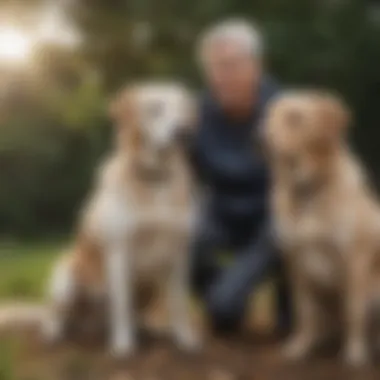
326 219
135 227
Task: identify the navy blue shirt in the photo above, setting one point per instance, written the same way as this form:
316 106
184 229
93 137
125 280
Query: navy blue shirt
225 159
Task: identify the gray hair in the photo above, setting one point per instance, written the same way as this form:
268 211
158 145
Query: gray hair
236 31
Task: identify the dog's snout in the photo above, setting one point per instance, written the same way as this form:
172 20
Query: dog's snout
162 152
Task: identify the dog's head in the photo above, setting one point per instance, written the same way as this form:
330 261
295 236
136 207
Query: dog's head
302 132
153 120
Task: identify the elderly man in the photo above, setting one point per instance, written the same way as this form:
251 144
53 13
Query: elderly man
235 217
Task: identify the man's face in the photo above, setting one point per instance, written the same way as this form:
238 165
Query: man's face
231 72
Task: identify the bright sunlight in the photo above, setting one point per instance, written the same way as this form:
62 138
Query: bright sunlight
15 46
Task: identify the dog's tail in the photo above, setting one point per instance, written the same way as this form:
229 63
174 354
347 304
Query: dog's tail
20 316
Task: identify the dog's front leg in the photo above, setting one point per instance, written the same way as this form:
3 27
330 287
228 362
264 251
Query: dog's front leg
306 310
186 334
119 274
356 350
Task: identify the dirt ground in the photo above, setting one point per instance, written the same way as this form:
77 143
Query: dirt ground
247 357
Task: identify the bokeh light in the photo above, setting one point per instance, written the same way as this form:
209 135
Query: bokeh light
15 45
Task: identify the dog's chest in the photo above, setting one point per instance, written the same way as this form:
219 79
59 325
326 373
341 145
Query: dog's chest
315 235
307 223
162 225
155 250
162 208
117 213
321 265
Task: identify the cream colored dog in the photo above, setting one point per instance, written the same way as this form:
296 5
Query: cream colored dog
327 220
136 224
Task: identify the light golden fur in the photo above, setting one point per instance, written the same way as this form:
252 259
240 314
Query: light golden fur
134 230
327 221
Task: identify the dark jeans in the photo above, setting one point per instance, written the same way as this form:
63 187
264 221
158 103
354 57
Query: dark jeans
225 289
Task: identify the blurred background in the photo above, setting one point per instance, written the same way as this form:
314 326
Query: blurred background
61 60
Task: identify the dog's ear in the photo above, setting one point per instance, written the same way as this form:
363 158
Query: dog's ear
122 107
335 118
123 110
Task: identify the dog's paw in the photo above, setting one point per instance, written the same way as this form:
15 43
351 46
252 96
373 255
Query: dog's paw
52 331
356 355
122 345
297 347
189 340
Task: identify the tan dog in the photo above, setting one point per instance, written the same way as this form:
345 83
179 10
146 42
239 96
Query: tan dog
326 218
135 227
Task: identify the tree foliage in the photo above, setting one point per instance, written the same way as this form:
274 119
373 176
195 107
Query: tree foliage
53 121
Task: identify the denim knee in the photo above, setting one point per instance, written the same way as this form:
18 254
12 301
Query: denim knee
224 314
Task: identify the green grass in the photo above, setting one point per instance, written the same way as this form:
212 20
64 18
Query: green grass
24 269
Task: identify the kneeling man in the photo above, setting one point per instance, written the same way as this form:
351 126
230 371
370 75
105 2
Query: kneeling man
234 216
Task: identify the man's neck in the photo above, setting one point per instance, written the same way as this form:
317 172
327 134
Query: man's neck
241 110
